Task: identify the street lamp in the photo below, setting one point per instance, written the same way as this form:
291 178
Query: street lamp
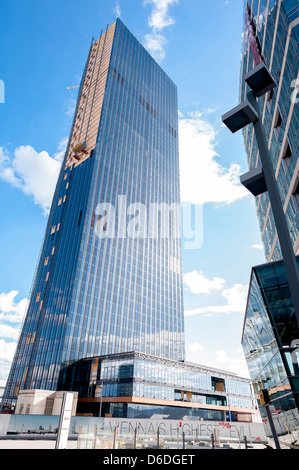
101 401
263 179
228 403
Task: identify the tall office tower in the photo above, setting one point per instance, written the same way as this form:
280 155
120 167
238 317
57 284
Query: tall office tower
271 34
108 280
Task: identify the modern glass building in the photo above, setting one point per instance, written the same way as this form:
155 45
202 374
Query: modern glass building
105 316
109 279
271 35
137 385
270 341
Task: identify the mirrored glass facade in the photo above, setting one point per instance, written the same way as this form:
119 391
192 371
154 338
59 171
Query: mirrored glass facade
270 341
140 385
109 280
271 34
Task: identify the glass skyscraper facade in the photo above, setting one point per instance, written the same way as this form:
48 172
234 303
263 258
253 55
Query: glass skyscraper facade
105 317
270 342
108 280
271 34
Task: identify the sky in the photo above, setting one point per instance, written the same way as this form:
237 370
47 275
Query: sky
44 47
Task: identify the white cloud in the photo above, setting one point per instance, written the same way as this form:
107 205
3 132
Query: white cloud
155 43
158 20
61 148
11 317
7 351
70 107
236 298
10 310
257 247
232 361
117 10
11 314
236 364
9 332
197 283
34 173
203 178
6 172
195 347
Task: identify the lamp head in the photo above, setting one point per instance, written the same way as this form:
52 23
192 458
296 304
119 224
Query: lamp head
254 181
240 116
260 80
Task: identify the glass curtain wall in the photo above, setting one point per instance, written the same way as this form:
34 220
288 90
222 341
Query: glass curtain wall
274 25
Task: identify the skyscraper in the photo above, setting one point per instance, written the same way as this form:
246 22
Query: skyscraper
108 280
271 34
105 317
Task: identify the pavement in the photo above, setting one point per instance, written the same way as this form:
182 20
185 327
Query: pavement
32 444
49 444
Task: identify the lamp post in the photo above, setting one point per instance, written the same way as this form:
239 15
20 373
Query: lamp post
101 401
114 436
212 441
228 404
263 179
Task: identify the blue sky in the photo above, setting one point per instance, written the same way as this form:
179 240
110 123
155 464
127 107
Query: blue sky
44 46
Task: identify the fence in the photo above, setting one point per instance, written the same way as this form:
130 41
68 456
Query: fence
109 433
151 434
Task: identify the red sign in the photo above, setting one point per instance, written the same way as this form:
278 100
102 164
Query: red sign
225 425
252 40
